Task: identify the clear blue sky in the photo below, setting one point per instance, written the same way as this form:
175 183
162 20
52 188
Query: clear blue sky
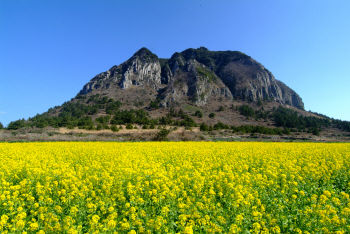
50 49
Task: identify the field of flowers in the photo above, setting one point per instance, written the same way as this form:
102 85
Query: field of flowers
174 187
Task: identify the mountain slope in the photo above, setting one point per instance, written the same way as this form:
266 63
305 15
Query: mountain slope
197 87
194 75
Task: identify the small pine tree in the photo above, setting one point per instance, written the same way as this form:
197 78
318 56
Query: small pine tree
99 127
211 115
204 127
114 128
316 132
162 134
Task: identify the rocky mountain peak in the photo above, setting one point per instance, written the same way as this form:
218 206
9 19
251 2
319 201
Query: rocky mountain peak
145 55
198 75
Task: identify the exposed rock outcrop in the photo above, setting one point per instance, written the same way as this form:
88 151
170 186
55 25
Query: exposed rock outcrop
197 75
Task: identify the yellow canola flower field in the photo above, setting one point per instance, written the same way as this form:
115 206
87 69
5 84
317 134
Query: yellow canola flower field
174 187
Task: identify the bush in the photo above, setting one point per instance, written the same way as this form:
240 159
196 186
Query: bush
204 127
16 124
221 108
99 127
211 115
199 114
145 126
162 134
316 132
114 128
152 126
129 126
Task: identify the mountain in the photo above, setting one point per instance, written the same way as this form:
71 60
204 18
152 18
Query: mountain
212 89
198 76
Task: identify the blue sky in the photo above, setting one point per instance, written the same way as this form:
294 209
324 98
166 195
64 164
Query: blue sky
50 49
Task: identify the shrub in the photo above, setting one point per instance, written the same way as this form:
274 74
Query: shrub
199 114
99 127
211 115
129 126
162 135
204 127
114 128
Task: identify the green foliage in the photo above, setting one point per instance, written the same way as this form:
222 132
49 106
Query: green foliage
247 111
1 126
162 135
216 60
99 127
205 72
138 103
221 108
129 126
342 125
152 126
112 106
130 116
103 119
284 117
204 127
155 104
211 115
79 96
14 125
199 114
114 128
316 131
220 125
165 120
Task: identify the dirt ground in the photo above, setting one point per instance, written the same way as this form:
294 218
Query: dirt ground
180 134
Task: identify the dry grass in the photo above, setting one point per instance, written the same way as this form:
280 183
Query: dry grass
180 134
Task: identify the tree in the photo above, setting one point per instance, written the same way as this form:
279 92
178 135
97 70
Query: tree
199 114
14 125
1 126
204 127
114 128
211 115
221 108
162 134
316 132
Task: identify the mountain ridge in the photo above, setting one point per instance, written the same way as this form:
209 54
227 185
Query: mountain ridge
206 74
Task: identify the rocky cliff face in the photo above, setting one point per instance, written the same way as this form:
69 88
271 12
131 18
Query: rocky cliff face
198 76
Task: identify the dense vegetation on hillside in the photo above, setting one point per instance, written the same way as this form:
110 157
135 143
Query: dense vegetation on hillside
82 113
